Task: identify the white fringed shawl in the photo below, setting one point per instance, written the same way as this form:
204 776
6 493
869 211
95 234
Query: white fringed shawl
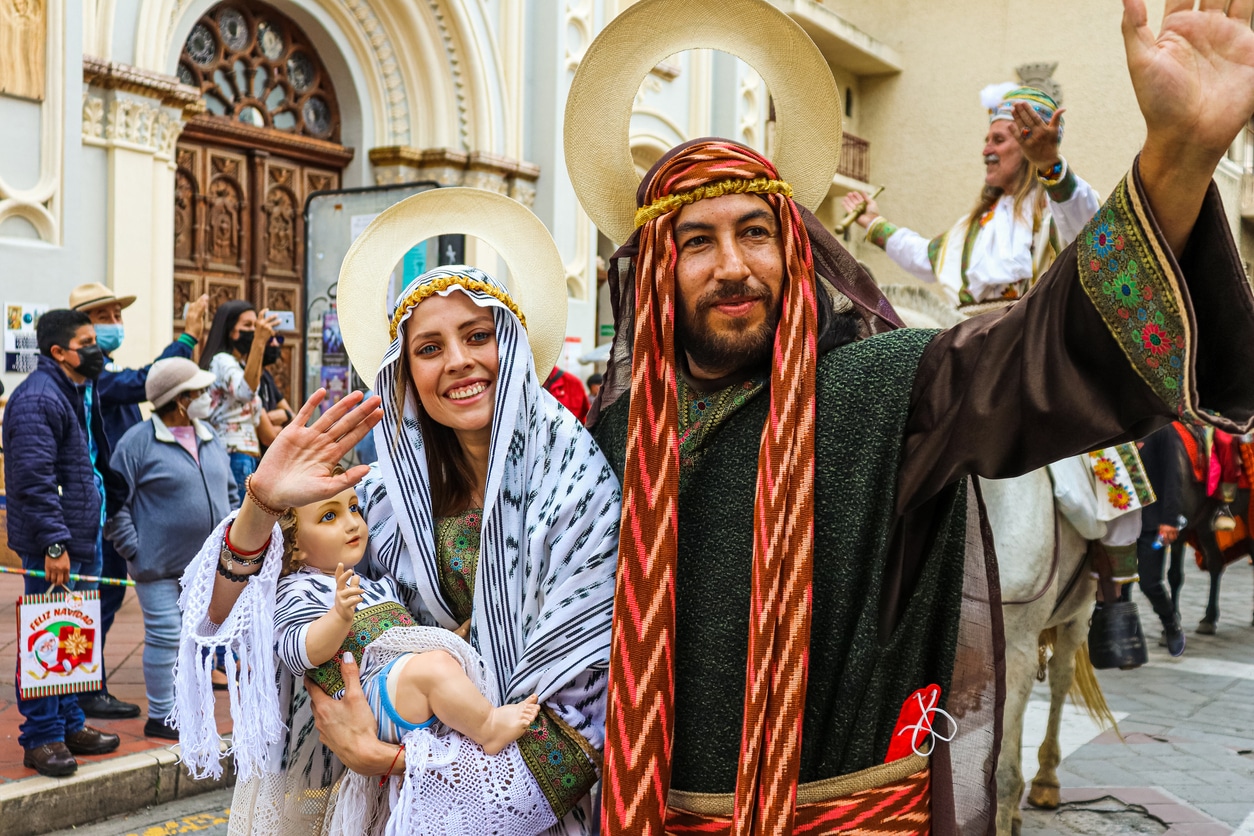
541 616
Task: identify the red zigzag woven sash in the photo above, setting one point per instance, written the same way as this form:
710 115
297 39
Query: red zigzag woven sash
640 713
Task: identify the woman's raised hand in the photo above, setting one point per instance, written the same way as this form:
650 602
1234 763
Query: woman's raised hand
298 467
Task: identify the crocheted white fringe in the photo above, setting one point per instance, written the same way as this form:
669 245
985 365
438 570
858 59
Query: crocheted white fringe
257 724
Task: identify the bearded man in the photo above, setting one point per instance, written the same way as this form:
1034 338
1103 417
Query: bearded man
778 614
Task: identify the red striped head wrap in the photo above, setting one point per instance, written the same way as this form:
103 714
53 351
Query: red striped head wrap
640 718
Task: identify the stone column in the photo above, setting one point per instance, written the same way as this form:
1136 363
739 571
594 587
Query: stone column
137 116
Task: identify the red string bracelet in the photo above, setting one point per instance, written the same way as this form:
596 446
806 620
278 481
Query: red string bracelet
395 758
227 536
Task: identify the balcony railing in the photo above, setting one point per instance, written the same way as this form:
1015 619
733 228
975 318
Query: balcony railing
855 158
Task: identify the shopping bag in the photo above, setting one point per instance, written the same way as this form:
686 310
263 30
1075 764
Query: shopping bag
58 646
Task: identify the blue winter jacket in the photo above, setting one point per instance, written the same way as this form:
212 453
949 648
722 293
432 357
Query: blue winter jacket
121 391
49 484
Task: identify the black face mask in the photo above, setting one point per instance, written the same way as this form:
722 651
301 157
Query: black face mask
91 361
271 355
244 342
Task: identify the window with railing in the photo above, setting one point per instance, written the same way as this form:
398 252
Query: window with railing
855 157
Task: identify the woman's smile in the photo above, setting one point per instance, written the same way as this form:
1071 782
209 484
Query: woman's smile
467 391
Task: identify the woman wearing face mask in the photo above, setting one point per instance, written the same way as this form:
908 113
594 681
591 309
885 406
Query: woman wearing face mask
235 353
180 487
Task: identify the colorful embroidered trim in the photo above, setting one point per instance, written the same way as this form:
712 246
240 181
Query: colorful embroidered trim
563 763
457 541
880 231
1062 187
700 415
444 283
1129 284
368 625
666 205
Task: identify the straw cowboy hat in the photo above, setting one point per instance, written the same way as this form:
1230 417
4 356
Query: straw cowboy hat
536 281
808 106
88 297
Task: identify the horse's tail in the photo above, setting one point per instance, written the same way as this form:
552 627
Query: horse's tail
1086 691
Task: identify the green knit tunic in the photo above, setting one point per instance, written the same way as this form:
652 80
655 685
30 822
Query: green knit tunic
858 680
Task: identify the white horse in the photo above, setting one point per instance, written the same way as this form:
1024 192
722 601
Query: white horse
1047 597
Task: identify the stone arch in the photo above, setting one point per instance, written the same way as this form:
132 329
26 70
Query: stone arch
410 73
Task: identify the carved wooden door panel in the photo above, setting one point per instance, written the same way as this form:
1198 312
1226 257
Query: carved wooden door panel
239 234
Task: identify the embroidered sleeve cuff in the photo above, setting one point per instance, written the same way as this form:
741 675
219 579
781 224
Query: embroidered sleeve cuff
1062 188
1140 290
560 759
880 231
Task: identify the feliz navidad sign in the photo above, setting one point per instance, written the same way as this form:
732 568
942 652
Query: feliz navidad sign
57 648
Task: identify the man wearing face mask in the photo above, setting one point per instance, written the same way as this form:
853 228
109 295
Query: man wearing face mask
120 392
60 488
180 488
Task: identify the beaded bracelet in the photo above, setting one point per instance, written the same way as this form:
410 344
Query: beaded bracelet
231 576
248 489
243 555
395 758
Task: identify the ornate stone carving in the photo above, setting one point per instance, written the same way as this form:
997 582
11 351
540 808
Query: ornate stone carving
398 164
750 115
138 123
455 70
578 32
93 116
385 60
1040 75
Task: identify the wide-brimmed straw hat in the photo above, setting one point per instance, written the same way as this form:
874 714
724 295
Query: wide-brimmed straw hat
808 106
169 378
88 297
536 281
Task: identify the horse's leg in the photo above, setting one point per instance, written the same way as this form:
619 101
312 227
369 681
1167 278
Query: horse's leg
1045 787
1022 662
1213 561
1175 573
1208 625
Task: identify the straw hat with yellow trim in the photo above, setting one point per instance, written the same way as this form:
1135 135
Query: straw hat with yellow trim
808 106
536 281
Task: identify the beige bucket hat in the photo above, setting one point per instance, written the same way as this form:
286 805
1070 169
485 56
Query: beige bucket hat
88 297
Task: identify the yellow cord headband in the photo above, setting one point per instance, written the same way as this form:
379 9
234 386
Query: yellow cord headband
666 205
444 283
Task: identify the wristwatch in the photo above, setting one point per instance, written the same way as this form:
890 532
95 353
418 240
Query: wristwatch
55 550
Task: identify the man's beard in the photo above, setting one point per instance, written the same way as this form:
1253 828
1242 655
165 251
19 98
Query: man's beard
734 347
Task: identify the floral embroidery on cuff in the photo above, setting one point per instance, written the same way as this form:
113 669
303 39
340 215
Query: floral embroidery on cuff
1133 293
880 231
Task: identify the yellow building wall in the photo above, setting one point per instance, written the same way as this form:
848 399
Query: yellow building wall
926 126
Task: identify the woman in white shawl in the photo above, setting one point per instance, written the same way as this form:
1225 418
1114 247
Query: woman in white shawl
494 512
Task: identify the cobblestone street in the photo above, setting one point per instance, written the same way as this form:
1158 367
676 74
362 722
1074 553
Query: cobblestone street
1186 765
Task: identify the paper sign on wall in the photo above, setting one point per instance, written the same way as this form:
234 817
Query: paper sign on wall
21 350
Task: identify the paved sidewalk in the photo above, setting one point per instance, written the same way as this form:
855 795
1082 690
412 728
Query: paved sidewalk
1186 765
142 771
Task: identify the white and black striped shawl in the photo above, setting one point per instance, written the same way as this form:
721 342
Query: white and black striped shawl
545 579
